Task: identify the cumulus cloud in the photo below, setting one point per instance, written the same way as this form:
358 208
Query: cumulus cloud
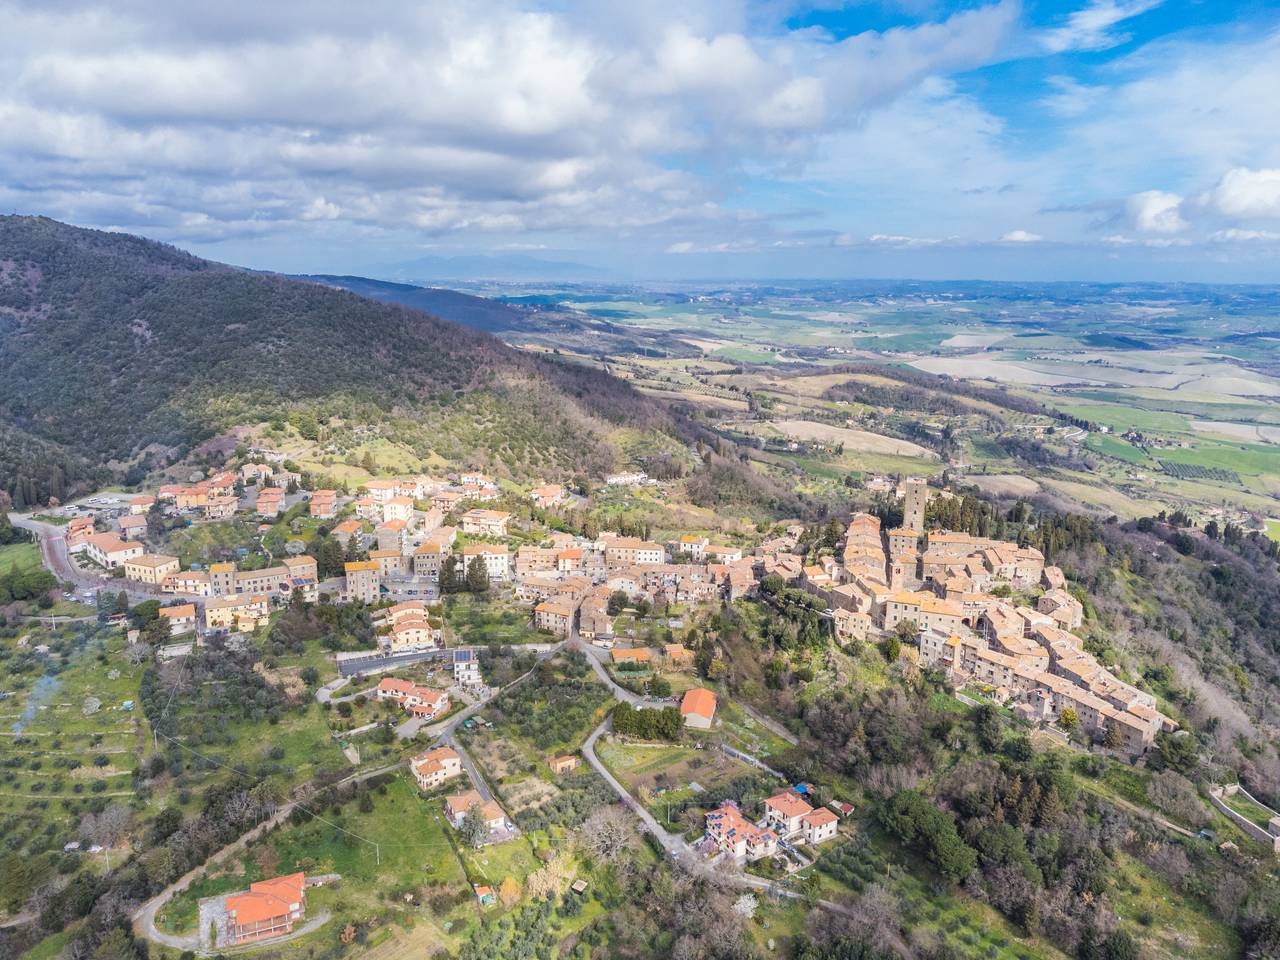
1021 236
1244 194
440 118
1155 211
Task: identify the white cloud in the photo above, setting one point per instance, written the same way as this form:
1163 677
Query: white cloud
1244 194
447 117
1070 97
1155 211
1021 236
1236 235
1089 28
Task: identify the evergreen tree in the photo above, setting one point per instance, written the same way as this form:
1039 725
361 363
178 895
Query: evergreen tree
477 576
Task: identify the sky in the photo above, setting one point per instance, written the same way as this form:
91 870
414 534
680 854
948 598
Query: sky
939 139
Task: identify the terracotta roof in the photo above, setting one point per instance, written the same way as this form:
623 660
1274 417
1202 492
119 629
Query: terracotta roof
266 899
700 701
820 817
788 804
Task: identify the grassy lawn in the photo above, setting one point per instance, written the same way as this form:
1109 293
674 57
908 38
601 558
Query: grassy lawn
482 621
1167 923
21 556
407 829
1253 812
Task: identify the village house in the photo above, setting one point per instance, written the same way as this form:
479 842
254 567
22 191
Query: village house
398 508
446 500
109 551
485 523
628 479
192 498
392 535
344 531
181 618
367 508
140 504
79 531
784 812
422 702
698 708
719 554
429 557
381 490
473 479
851 626
1067 612
530 560
269 909
569 559
363 581
433 768
257 472
728 830
324 504
236 612
819 826
496 559
150 568
192 582
413 633
678 654
638 655
563 764
690 545
392 564
222 579
555 616
270 502
924 609
220 508
632 551
546 496
132 525
457 806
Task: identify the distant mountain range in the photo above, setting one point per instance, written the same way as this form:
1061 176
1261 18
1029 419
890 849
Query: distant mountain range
511 266
478 313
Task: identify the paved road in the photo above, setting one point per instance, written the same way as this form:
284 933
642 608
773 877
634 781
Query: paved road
595 657
144 917
57 560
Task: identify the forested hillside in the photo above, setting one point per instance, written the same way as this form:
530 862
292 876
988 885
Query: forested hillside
119 351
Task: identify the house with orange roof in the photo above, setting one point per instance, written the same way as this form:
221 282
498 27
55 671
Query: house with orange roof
150 568
420 701
784 812
496 559
434 767
324 504
485 523
728 830
363 580
344 531
678 654
181 618
458 805
698 708
109 551
270 908
397 508
141 504
641 655
546 496
555 616
819 826
563 764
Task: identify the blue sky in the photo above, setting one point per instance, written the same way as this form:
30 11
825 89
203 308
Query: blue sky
1094 139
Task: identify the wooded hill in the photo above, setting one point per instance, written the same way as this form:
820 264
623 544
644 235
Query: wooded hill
122 352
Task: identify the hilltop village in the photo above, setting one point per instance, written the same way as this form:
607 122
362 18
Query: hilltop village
982 612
